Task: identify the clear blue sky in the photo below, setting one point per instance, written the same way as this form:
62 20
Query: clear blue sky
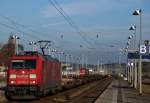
110 19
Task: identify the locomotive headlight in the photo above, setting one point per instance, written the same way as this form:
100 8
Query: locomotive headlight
33 82
32 75
13 82
12 76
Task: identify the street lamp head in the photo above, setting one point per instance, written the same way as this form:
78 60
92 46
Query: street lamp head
130 37
53 50
12 37
137 12
128 43
15 37
132 27
30 43
47 47
125 50
34 43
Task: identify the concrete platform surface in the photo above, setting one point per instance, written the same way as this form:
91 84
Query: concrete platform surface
119 91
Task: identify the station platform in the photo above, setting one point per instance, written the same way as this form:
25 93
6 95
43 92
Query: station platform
119 91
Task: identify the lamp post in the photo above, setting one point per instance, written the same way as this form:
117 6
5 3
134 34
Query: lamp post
139 13
126 52
66 63
53 52
133 28
131 66
71 60
16 38
60 55
128 67
49 50
98 66
78 62
82 57
120 57
86 60
33 44
101 68
66 59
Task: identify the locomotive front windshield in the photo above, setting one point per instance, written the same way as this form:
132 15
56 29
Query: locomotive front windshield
26 64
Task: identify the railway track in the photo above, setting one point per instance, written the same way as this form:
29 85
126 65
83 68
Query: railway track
87 93
92 94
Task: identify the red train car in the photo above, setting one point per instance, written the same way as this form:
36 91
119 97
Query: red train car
84 72
31 75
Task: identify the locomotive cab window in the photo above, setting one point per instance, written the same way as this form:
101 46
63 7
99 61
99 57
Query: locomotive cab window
26 64
17 64
31 64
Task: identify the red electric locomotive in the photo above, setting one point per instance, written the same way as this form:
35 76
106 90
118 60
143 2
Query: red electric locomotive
31 75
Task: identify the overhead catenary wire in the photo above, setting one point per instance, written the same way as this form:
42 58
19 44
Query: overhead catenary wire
81 33
28 37
17 25
7 26
57 6
60 10
24 27
12 21
16 29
